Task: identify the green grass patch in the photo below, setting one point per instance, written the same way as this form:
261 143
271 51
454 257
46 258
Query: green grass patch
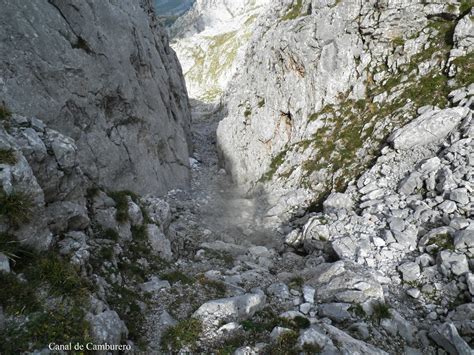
121 201
8 157
381 311
294 11
177 276
442 241
296 282
5 113
217 287
185 333
16 207
276 162
286 344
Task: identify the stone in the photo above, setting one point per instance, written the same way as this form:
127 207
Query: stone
450 262
135 215
4 263
337 201
236 308
308 293
460 196
338 312
107 327
278 331
447 337
160 245
464 241
447 207
315 336
305 308
470 283
414 292
348 345
154 285
279 290
431 126
157 210
410 271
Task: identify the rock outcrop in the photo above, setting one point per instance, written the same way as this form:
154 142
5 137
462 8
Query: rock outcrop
103 74
325 82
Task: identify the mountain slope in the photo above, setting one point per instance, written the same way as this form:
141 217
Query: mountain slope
324 84
210 41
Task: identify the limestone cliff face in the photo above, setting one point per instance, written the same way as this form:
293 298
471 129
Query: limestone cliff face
101 72
325 82
210 41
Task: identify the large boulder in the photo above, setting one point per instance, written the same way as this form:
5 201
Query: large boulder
231 309
431 126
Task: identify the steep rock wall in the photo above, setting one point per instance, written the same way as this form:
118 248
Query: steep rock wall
323 84
101 72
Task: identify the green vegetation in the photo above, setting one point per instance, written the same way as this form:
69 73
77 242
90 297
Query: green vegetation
465 69
381 311
185 333
294 11
358 310
398 41
140 232
5 113
261 102
248 112
177 276
442 242
226 258
296 282
35 322
466 6
218 287
16 207
121 200
274 165
111 234
7 157
285 344
352 134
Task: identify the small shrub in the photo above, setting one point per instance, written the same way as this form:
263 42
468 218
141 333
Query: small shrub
285 344
296 323
139 232
358 310
381 311
218 287
61 277
247 112
8 157
261 103
17 297
311 349
111 234
5 113
17 207
121 201
177 276
185 333
296 282
92 192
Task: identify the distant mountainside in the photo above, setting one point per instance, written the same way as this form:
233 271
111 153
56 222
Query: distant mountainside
172 8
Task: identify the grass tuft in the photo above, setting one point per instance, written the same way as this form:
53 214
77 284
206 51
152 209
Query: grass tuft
16 207
184 334
8 157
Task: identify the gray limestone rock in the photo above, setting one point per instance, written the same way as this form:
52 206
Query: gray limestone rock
107 327
158 241
446 336
230 309
107 78
430 127
4 263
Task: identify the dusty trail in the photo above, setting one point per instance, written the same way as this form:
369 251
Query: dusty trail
221 206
